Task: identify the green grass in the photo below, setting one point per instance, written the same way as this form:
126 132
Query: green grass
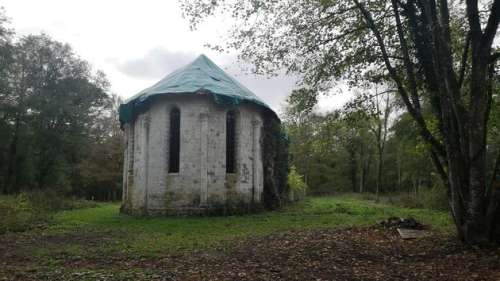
29 210
152 236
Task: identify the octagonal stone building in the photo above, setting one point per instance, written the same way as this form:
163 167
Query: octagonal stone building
193 144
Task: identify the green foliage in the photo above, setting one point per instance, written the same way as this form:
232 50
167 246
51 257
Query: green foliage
58 128
301 102
295 181
434 198
320 40
339 151
16 213
33 209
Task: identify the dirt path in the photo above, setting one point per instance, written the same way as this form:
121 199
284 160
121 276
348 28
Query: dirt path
348 254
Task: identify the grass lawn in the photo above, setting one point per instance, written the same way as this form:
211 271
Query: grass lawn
321 236
161 235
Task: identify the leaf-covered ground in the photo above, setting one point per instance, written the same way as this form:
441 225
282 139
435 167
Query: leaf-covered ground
294 244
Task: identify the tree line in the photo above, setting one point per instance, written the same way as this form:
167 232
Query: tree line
370 145
58 122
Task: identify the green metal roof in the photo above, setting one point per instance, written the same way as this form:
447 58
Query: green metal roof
201 75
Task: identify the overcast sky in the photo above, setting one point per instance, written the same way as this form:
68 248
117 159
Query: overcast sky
136 43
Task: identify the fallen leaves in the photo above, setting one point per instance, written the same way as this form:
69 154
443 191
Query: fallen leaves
344 254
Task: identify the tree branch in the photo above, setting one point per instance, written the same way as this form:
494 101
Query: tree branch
494 57
426 134
439 168
465 54
474 23
492 25
332 39
406 58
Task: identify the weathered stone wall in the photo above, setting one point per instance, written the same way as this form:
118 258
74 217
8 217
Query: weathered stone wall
202 183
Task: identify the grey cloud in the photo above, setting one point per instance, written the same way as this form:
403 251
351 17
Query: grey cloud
273 90
157 63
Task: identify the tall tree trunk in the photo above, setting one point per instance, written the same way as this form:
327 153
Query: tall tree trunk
379 175
10 179
415 187
362 164
366 171
398 163
361 182
353 169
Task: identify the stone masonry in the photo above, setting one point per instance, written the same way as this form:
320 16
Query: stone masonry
202 184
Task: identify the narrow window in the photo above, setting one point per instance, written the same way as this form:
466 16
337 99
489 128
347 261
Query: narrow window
230 142
175 143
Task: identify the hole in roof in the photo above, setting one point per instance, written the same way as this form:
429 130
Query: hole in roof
215 78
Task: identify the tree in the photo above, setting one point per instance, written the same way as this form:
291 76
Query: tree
356 138
378 108
412 159
6 50
52 99
431 55
380 116
101 169
298 115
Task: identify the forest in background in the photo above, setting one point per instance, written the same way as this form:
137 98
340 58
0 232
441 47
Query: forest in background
370 146
59 131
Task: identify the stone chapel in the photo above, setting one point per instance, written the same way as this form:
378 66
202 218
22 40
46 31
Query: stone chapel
193 143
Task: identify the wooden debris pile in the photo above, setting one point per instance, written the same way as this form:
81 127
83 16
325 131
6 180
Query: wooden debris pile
407 228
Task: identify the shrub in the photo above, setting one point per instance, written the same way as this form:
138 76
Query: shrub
297 185
17 213
27 210
408 201
434 198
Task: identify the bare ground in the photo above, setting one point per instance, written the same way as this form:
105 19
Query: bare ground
345 254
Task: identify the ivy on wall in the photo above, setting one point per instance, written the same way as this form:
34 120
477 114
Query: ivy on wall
275 145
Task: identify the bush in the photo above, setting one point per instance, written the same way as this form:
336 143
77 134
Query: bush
434 198
407 201
51 201
297 185
18 214
32 209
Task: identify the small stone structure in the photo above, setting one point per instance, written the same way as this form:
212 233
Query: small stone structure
193 144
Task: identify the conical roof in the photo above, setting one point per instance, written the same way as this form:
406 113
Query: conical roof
201 75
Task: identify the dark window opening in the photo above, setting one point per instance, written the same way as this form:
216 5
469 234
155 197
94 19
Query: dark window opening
175 143
230 142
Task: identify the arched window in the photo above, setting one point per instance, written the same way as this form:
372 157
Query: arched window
175 142
231 142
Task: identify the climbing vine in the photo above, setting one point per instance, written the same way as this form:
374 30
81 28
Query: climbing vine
275 159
